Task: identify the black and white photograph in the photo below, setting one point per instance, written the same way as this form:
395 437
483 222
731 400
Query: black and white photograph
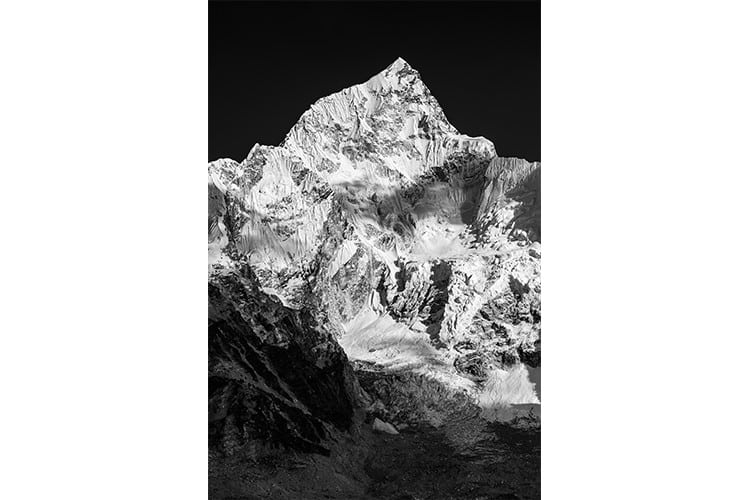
374 265
361 318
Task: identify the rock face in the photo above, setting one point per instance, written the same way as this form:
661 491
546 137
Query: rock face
377 225
275 375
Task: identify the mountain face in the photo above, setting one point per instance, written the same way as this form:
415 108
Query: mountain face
375 233
275 374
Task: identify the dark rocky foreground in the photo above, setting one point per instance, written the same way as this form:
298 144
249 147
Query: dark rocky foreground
419 463
464 458
504 463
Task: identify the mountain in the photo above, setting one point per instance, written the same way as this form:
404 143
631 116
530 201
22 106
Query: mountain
375 235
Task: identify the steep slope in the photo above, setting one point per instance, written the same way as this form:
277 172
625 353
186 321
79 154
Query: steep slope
276 377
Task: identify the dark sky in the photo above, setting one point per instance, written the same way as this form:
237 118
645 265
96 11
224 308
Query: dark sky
269 61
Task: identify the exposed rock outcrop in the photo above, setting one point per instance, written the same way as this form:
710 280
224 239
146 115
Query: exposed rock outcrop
276 376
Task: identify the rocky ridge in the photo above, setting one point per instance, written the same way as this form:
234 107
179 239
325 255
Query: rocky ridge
275 375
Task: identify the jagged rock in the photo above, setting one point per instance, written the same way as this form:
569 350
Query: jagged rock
376 407
275 375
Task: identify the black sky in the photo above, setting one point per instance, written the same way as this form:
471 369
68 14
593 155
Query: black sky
269 61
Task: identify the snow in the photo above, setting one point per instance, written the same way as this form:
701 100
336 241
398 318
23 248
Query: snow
379 339
508 387
343 254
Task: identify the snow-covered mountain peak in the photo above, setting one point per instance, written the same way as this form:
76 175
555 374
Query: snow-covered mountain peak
377 215
390 126
399 64
399 74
